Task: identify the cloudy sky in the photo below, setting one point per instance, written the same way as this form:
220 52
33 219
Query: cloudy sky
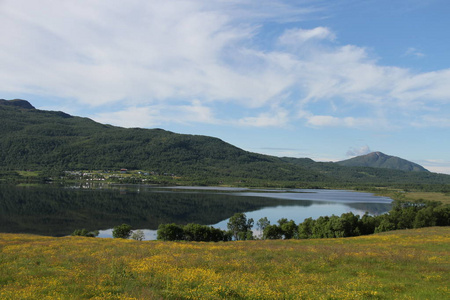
326 80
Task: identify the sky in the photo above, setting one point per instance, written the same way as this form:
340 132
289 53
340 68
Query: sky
328 80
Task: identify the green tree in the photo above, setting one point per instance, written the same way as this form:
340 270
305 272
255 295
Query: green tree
262 224
442 214
240 227
305 228
349 224
368 223
385 224
138 235
170 232
122 231
272 232
288 228
196 232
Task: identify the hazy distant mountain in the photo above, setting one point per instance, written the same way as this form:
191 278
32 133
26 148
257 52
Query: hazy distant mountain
381 160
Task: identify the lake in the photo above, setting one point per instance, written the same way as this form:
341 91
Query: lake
59 210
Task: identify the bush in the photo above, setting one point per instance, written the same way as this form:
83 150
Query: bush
170 232
192 232
85 232
122 231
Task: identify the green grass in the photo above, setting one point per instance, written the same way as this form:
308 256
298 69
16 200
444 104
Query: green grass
397 194
408 264
28 173
432 196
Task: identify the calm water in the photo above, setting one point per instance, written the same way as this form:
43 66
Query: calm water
58 211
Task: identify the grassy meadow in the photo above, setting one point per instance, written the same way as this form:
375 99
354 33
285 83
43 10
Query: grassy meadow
432 196
407 264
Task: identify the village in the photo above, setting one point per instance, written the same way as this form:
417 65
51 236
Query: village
122 176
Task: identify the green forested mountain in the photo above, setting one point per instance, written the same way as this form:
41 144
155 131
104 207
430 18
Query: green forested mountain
51 140
36 139
381 160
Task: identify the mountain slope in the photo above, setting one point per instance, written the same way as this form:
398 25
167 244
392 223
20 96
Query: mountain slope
36 139
52 140
381 160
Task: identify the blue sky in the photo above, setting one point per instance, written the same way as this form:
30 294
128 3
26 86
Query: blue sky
326 80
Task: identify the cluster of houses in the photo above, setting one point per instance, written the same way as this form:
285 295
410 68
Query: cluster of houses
105 175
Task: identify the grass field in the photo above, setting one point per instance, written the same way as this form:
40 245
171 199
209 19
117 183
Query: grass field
432 196
409 264
412 195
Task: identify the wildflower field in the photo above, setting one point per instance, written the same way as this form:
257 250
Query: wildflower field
407 264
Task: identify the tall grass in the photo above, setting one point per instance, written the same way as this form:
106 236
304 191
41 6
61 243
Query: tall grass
409 264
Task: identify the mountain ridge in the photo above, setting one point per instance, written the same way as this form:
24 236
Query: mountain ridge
18 103
53 140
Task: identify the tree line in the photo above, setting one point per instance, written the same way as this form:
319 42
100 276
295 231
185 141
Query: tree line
403 215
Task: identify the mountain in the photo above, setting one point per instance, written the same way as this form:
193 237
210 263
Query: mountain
18 103
37 139
56 141
381 160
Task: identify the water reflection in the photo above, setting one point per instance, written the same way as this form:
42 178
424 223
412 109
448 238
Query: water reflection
58 211
295 204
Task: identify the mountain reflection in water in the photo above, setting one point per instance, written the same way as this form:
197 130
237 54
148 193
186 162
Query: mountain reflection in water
58 211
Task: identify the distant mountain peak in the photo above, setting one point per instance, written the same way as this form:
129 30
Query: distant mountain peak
377 154
17 102
378 159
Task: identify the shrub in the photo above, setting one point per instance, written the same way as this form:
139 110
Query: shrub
122 231
85 232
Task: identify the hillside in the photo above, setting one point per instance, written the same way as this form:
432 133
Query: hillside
56 141
381 160
36 139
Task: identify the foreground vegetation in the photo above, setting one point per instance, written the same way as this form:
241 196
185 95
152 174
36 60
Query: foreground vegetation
407 264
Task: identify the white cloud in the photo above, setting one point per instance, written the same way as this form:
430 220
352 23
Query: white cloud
279 118
153 54
432 121
330 121
436 165
358 151
154 115
299 35
411 51
131 117
420 89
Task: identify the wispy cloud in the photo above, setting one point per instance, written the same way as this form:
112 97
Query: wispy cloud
358 151
277 119
299 35
436 165
330 121
411 51
154 115
437 120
